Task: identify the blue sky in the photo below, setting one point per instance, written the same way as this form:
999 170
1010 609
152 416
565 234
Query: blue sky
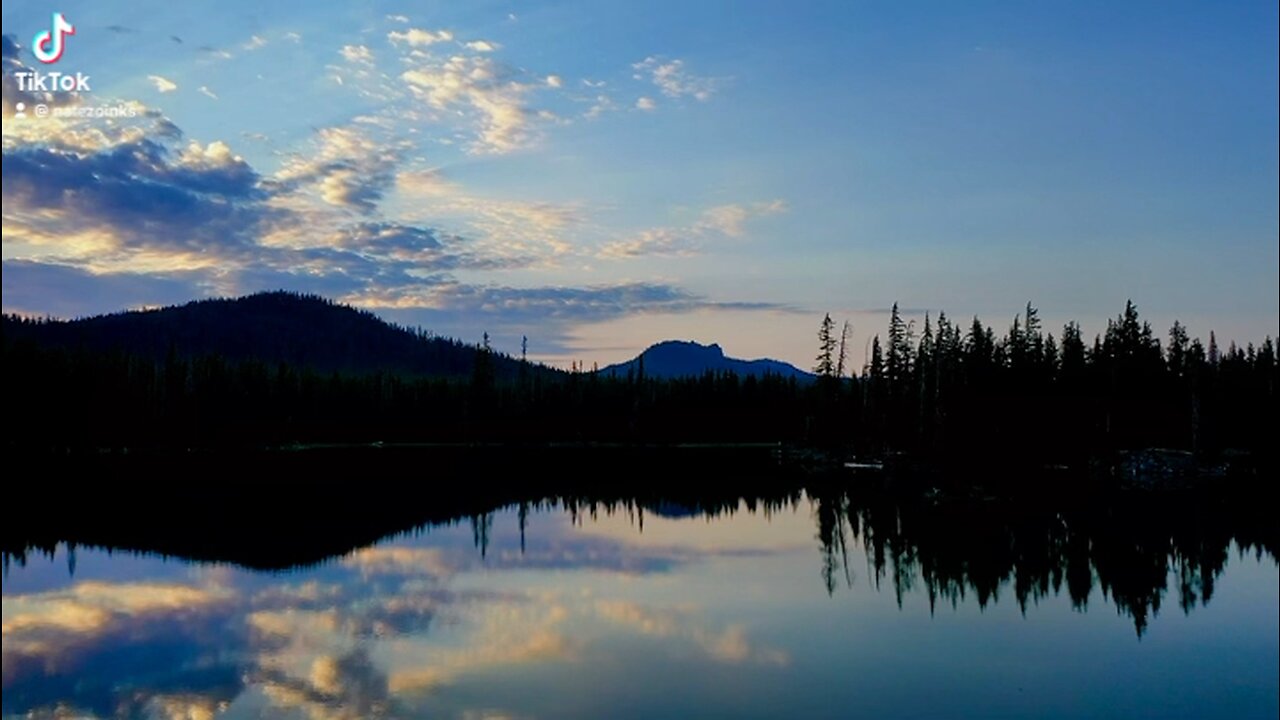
603 176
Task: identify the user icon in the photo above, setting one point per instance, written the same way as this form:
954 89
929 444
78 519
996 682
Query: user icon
19 111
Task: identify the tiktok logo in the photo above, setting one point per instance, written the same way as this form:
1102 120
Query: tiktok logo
48 45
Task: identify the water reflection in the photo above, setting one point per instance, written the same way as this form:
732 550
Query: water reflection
585 608
1125 547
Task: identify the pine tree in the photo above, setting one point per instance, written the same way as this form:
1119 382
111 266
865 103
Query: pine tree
898 362
845 331
1179 346
826 363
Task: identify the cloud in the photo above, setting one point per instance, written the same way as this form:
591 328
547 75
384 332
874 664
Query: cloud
132 204
213 52
344 686
54 640
554 81
162 84
204 90
601 105
655 241
401 560
483 46
551 308
719 221
347 168
357 54
417 37
730 645
98 216
730 219
402 19
646 104
40 288
292 37
673 80
254 42
484 90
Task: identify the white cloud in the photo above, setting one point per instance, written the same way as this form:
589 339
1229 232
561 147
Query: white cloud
417 37
482 46
510 229
601 105
215 155
719 221
730 645
673 80
482 88
402 19
358 54
554 81
730 219
646 104
292 37
656 241
255 42
163 85
204 90
347 167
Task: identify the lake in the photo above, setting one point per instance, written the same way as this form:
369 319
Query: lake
809 604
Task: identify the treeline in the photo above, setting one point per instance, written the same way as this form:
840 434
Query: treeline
300 330
939 390
945 388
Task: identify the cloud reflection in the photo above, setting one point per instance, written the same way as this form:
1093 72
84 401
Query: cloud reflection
380 633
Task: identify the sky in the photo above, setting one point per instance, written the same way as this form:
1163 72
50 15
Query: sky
602 176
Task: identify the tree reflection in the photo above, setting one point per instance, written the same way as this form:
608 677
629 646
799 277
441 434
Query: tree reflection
954 545
1125 546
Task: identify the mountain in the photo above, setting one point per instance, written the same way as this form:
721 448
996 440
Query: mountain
271 327
679 358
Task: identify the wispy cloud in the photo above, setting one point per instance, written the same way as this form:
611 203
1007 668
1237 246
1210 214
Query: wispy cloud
213 52
599 106
162 84
727 221
418 37
347 167
671 77
485 91
359 54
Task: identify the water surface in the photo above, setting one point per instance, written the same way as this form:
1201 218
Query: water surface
800 608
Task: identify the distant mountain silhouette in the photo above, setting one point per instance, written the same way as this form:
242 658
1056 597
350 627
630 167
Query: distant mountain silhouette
271 327
679 358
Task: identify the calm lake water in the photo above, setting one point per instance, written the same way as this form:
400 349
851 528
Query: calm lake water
799 609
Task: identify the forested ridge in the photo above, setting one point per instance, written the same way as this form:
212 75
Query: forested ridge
279 369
